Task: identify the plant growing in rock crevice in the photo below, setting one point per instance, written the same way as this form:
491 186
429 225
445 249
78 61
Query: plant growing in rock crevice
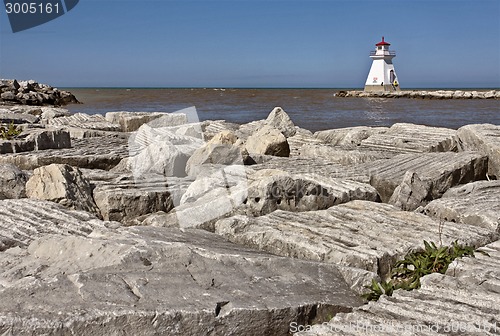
406 273
9 132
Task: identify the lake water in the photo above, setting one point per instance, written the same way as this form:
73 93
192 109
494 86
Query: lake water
313 109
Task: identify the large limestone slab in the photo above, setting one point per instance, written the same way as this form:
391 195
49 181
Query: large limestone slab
465 301
131 121
484 138
273 189
124 197
343 156
441 170
23 220
349 137
156 281
86 121
268 141
34 139
476 203
361 234
94 153
414 138
317 165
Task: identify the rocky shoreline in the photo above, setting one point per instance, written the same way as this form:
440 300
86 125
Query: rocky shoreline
421 94
160 225
30 92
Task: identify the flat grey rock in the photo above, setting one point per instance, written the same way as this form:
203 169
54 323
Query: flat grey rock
476 203
157 281
35 139
343 156
465 301
486 139
414 138
441 170
361 234
93 153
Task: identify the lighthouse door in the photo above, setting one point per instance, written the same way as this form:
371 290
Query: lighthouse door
392 76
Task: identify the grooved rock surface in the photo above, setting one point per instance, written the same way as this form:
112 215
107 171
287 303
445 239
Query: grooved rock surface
318 165
440 170
157 281
131 121
125 197
414 138
349 137
95 153
486 139
268 141
274 189
12 182
360 234
24 220
62 184
82 120
340 155
476 203
465 301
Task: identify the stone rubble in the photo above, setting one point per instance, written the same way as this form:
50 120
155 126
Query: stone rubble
300 223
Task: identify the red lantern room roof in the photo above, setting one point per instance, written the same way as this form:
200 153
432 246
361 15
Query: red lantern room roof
382 43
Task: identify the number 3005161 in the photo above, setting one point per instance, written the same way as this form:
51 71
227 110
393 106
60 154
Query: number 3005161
31 8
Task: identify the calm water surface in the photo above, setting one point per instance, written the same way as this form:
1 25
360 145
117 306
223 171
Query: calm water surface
313 109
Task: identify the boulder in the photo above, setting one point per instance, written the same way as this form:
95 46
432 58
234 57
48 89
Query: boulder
268 141
12 182
157 281
131 121
361 234
476 203
440 171
219 150
48 113
63 184
465 300
274 189
404 137
280 120
483 138
348 137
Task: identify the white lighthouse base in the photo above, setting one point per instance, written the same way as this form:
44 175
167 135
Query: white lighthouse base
381 88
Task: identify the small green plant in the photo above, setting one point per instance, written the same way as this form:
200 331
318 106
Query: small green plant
9 132
406 273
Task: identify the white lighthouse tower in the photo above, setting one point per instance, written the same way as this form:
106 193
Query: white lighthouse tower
382 76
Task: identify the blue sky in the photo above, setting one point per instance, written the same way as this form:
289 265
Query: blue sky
247 43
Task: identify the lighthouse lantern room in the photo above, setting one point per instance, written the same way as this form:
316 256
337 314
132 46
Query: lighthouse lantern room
382 76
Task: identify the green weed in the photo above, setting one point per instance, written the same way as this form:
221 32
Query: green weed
9 132
406 273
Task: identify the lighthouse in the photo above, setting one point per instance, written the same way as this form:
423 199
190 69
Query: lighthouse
382 76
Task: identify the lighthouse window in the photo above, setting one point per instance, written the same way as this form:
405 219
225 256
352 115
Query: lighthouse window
379 48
